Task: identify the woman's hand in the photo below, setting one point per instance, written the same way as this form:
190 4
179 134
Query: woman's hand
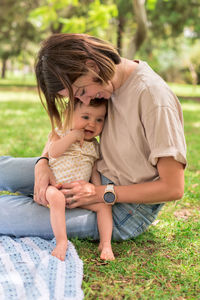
43 178
79 193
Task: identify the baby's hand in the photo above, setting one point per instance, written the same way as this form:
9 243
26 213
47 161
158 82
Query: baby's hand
79 135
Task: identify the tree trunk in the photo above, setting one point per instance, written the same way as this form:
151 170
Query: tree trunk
193 74
3 71
120 29
141 32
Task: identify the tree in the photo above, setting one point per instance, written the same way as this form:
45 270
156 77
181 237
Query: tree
132 12
173 27
15 29
142 27
161 19
124 13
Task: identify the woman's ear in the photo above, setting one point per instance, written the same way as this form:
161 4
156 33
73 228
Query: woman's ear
92 65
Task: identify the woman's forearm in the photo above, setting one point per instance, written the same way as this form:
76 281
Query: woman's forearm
169 187
146 193
45 150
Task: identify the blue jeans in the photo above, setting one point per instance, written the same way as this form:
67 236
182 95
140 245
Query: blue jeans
21 216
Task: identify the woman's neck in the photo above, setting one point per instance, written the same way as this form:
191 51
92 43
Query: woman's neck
123 71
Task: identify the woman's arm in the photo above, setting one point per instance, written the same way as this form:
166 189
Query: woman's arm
43 178
169 187
95 177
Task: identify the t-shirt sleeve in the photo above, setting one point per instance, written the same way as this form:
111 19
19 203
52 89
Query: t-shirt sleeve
165 134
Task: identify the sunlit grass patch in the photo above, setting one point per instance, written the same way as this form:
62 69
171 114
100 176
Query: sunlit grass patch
18 95
186 90
24 127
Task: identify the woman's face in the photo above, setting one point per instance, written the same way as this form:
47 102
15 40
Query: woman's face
85 89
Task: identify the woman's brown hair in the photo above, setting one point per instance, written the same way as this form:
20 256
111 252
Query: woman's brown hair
61 60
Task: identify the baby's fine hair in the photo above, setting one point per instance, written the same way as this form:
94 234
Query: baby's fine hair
96 102
62 59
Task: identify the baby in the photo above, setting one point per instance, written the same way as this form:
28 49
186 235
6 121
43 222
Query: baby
72 156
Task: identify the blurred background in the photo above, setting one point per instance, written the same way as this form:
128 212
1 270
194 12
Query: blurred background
165 33
164 263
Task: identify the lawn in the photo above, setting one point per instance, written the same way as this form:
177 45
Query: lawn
163 263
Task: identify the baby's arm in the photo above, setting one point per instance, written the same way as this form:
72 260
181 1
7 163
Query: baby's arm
58 145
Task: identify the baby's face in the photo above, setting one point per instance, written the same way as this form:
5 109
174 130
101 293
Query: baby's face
89 118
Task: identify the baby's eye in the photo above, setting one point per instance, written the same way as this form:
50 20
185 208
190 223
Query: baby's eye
85 117
100 120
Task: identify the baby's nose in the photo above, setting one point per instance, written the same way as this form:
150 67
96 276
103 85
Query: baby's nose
92 123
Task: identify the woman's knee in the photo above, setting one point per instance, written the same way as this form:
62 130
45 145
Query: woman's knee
17 174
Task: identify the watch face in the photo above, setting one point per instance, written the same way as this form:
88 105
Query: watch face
109 197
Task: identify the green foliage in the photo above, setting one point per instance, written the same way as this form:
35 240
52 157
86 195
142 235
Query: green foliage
48 15
151 4
169 18
173 27
99 16
74 24
75 16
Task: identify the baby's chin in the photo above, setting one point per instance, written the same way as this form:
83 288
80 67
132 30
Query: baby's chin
89 140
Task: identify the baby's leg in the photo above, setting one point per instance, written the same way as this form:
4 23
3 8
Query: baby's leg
105 224
56 201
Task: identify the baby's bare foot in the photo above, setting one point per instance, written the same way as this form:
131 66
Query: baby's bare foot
60 250
106 251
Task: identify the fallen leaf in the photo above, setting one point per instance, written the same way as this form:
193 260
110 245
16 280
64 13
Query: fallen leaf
155 222
182 214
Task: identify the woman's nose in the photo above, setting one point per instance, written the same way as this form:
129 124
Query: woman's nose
85 99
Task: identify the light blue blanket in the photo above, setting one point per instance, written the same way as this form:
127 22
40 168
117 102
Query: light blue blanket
28 271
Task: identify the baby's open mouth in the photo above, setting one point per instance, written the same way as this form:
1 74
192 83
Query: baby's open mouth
88 131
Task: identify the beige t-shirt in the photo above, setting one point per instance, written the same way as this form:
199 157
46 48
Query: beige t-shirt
144 123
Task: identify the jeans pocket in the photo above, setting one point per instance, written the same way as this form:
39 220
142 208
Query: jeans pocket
128 222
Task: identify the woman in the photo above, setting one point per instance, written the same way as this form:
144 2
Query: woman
142 144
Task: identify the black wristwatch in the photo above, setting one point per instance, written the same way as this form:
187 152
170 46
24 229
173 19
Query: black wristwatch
109 196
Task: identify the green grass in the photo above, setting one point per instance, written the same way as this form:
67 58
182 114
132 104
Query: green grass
24 124
185 90
163 263
19 80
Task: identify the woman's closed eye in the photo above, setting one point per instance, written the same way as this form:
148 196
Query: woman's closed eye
82 92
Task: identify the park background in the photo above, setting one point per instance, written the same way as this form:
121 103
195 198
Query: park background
164 262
